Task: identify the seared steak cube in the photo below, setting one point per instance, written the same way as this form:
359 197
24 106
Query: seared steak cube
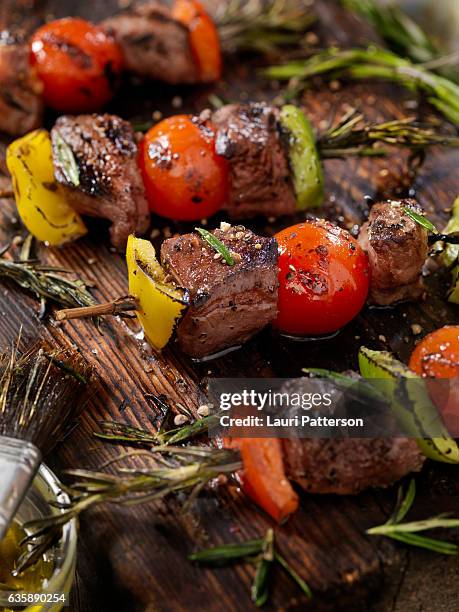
346 466
349 465
110 185
397 248
154 44
229 303
250 138
21 105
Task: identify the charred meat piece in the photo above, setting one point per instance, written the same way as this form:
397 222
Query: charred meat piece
229 303
350 465
397 248
154 44
346 466
110 185
250 138
21 105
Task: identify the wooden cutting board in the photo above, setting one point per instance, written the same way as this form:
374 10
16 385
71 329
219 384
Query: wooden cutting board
135 559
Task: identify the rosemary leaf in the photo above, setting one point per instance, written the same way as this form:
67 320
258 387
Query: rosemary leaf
435 522
421 220
438 546
404 503
228 553
67 160
295 577
216 244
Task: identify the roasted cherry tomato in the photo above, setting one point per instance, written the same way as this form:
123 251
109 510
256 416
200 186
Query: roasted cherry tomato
436 357
204 39
78 63
323 278
184 178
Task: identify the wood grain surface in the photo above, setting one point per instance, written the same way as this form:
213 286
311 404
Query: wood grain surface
135 559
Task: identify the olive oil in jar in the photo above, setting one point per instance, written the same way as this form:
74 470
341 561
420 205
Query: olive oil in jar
31 580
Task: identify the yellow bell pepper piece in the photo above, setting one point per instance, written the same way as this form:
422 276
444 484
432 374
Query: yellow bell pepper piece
40 200
161 304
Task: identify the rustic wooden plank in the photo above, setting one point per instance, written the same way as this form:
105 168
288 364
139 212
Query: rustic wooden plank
135 559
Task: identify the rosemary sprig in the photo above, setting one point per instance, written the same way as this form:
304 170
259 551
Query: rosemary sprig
420 220
46 283
263 26
113 431
216 244
372 63
351 137
183 469
403 35
408 532
262 552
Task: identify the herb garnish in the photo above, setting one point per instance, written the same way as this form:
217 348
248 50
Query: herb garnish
113 431
186 468
67 160
372 63
352 137
399 31
263 26
262 552
46 283
420 219
408 532
216 244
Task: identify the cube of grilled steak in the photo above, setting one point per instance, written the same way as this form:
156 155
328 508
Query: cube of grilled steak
346 466
250 138
228 303
397 248
350 465
110 184
21 105
154 44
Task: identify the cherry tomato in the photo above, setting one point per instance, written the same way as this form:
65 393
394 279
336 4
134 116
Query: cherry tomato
204 39
436 357
185 179
324 278
78 63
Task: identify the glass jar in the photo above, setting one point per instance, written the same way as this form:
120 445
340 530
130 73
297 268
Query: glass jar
46 490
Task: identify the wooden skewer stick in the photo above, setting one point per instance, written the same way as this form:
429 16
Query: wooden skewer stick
115 307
